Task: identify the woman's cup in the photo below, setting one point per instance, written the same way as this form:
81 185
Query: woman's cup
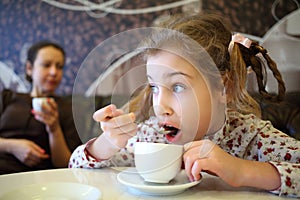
158 162
37 103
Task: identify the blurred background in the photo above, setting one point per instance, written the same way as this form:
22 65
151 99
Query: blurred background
80 25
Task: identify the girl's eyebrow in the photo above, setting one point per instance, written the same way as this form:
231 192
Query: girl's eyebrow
179 73
174 74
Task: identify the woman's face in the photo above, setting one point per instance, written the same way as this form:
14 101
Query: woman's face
46 71
181 98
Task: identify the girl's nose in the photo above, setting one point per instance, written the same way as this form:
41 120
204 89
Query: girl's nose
162 103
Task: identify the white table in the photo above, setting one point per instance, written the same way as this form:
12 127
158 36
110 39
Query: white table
106 180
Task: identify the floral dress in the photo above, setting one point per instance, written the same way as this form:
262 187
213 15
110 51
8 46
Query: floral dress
243 136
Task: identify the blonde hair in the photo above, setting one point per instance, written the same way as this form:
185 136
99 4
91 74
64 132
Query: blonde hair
214 35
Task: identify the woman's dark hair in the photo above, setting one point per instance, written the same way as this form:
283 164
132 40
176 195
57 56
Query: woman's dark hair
34 49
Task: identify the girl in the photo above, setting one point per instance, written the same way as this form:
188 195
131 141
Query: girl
29 139
197 75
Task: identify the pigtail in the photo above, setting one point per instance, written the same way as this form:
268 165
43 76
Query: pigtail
258 66
237 95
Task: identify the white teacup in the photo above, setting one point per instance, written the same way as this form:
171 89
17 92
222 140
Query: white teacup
37 103
158 162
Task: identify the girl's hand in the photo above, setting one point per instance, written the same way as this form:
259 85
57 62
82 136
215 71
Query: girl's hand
27 152
206 156
117 127
49 115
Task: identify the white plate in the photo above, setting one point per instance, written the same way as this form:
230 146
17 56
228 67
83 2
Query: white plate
137 185
54 191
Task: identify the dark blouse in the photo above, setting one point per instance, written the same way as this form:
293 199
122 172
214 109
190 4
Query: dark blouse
16 121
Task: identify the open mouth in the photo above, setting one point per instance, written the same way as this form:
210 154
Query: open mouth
170 132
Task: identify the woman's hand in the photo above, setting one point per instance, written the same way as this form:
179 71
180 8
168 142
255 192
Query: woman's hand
117 128
60 152
26 151
49 115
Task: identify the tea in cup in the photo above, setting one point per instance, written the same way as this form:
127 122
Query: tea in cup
158 162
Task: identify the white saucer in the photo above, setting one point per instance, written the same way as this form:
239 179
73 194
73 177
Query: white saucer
54 191
137 185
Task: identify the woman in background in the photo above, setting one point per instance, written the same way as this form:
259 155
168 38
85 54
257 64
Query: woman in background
30 139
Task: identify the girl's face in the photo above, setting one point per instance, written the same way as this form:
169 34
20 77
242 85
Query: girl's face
46 71
181 98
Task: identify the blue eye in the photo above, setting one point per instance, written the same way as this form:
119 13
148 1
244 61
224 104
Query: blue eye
178 88
154 89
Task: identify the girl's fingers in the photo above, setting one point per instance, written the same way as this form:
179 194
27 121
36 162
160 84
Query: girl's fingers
128 129
195 157
196 169
194 144
194 166
121 123
123 120
189 158
107 113
204 147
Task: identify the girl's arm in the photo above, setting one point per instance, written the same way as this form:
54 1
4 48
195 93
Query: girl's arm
81 158
235 171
